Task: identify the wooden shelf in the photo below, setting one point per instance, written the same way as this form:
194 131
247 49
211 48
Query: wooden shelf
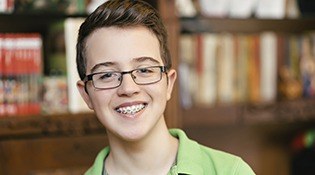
31 22
49 126
252 25
246 114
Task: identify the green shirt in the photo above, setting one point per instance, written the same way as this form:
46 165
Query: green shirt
192 158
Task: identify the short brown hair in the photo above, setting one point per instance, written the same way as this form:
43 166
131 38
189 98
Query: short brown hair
122 13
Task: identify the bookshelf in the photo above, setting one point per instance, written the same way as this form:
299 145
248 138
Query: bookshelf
31 144
301 108
261 133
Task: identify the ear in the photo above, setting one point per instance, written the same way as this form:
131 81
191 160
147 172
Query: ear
84 94
172 75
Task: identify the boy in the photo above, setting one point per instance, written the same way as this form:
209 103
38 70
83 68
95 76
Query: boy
126 78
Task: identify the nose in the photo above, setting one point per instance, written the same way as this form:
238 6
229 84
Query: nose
128 87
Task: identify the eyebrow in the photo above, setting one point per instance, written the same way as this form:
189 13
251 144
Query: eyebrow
106 64
138 59
143 59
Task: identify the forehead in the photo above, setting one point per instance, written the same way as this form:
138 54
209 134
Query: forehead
121 45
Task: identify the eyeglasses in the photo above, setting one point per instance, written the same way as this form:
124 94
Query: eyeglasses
113 79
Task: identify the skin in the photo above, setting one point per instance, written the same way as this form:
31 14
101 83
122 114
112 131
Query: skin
140 143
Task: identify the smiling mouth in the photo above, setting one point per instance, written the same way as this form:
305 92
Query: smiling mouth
131 110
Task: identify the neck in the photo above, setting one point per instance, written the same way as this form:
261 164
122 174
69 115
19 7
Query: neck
155 154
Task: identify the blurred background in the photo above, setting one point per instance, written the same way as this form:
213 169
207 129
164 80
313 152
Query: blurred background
246 83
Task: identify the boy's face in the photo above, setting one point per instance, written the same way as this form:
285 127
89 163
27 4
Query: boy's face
116 49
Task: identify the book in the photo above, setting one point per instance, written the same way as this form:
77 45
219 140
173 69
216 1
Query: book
241 92
292 10
76 103
6 6
243 69
207 89
268 71
290 85
55 63
225 65
34 45
271 9
21 60
2 109
307 65
214 8
185 8
242 8
9 80
186 69
55 95
254 67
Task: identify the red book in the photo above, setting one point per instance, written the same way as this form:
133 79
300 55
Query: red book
9 75
22 74
2 111
10 5
199 55
35 43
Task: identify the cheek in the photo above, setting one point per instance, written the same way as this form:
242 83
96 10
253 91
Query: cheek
101 98
160 92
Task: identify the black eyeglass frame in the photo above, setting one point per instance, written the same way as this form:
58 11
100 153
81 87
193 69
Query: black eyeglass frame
163 69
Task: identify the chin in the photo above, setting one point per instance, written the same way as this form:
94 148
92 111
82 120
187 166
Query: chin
133 135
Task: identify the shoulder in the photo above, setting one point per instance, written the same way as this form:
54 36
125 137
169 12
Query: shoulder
223 162
196 158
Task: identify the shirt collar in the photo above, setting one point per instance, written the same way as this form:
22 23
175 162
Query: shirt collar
98 165
189 157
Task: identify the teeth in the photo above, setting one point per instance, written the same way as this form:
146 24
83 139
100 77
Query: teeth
131 109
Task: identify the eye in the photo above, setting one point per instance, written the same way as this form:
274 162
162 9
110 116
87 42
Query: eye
145 70
105 76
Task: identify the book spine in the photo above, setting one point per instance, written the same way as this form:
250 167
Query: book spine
76 103
307 65
10 6
35 45
254 68
242 66
9 75
225 62
198 68
208 84
3 6
186 71
2 108
268 59
19 72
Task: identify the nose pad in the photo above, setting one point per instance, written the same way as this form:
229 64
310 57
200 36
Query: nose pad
133 77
